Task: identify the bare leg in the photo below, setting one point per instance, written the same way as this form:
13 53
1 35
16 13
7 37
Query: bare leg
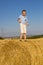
24 36
21 34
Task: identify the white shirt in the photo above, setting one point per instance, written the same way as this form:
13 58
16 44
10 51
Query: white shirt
23 19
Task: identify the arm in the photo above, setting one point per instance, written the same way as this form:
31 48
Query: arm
19 20
26 22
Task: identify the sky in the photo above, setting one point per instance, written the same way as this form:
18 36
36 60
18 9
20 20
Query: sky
11 9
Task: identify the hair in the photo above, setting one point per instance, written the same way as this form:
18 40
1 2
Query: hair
23 11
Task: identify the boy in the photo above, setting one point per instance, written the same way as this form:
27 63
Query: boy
22 19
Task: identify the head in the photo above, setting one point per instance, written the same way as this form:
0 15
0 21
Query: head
24 12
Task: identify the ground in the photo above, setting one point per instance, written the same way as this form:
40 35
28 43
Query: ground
15 52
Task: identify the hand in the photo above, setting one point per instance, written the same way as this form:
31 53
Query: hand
26 23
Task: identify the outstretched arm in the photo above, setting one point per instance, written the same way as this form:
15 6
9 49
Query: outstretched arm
19 20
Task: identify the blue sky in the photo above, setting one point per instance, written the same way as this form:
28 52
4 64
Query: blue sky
11 9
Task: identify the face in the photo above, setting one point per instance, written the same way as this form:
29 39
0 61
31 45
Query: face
24 13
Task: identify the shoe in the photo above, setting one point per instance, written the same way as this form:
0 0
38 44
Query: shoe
25 40
20 40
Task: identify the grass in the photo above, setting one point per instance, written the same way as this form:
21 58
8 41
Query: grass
14 52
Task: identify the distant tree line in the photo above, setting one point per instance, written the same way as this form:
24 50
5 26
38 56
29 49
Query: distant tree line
1 38
28 37
34 37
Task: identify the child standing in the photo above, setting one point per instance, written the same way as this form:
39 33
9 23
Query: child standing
22 19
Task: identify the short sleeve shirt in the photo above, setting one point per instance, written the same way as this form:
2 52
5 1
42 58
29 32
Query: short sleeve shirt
23 19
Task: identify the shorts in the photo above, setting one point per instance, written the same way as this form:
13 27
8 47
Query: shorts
22 28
